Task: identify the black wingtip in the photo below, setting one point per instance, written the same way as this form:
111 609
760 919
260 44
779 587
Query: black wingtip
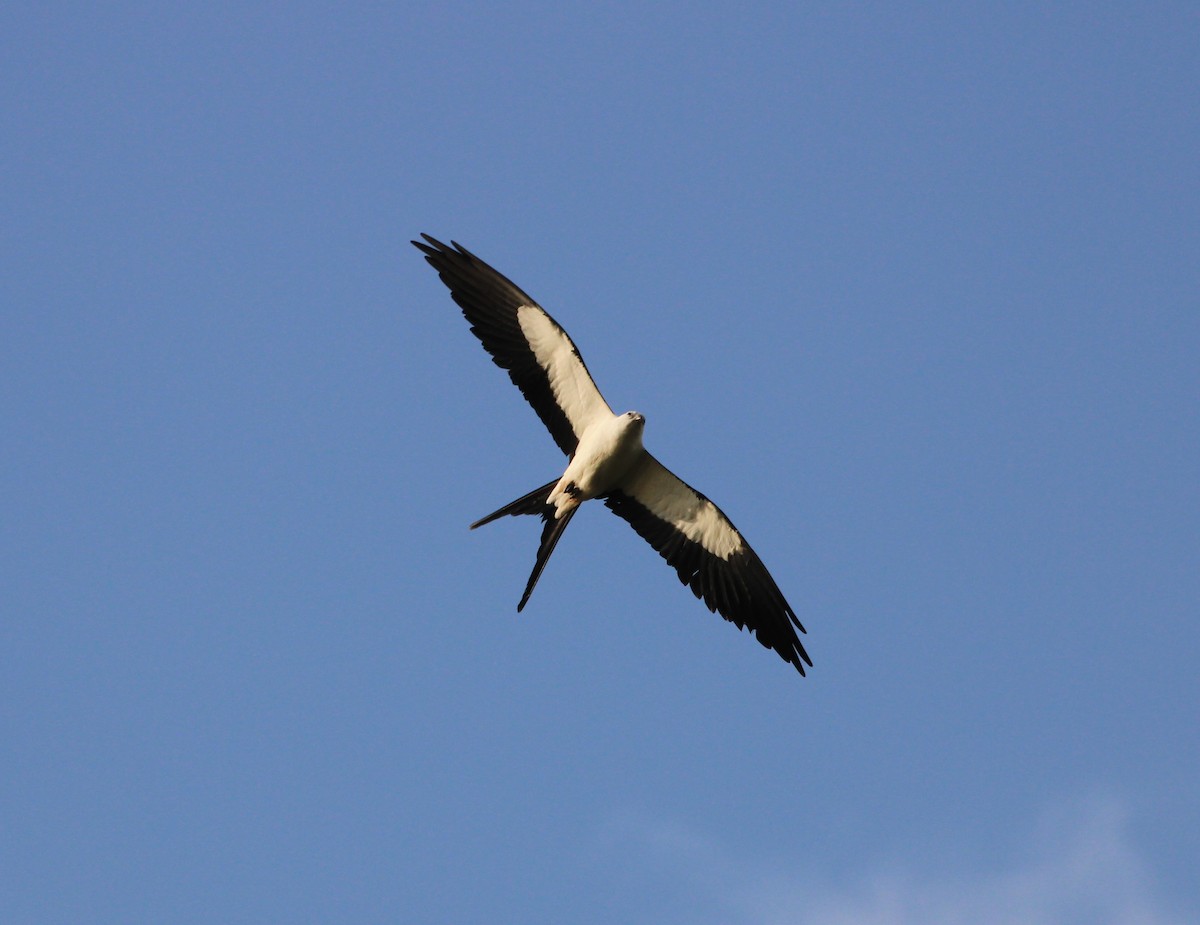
430 247
799 659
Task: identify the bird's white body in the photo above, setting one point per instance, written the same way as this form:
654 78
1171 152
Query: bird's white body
608 449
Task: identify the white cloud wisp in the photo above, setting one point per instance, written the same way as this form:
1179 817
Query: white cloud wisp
1081 869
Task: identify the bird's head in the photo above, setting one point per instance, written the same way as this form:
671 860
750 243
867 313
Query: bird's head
636 417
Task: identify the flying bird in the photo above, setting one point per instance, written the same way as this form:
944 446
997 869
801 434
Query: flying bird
606 459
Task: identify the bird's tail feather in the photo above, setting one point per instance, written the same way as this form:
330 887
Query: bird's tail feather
550 533
532 503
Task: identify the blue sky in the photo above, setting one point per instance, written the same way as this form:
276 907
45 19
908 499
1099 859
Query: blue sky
912 291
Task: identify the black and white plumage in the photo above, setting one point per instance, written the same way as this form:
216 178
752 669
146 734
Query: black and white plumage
607 459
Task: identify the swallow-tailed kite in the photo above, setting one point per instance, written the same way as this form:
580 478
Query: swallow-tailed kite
607 461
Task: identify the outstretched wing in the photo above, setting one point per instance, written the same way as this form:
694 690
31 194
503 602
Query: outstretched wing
541 359
710 555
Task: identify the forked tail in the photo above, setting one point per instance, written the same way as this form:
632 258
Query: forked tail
532 503
550 533
552 529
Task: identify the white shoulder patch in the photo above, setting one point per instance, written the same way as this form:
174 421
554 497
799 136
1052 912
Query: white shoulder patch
573 388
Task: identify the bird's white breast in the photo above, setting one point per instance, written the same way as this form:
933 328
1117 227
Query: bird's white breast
606 451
